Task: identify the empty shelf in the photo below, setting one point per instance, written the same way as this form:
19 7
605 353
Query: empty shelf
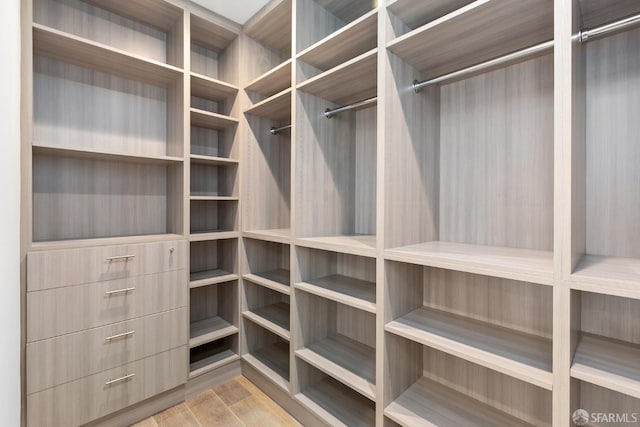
274 81
345 290
363 245
278 280
522 356
608 363
281 235
273 317
210 277
350 41
428 403
210 330
207 119
212 198
338 405
498 27
353 81
272 26
213 235
619 276
276 107
212 363
347 360
211 160
417 12
273 362
212 89
509 263
92 153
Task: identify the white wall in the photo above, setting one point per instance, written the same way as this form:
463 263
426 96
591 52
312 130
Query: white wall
10 212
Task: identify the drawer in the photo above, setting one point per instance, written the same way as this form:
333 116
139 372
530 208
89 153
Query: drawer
59 311
70 357
67 267
95 396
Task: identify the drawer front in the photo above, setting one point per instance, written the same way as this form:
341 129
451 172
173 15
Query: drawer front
59 311
67 267
81 401
70 357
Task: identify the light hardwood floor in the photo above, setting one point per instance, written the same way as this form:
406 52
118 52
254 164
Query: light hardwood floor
237 403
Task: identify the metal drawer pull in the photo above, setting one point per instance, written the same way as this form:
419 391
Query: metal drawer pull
122 335
115 258
117 380
120 291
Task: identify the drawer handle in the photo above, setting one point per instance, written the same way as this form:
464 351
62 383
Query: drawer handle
122 335
116 258
120 291
117 380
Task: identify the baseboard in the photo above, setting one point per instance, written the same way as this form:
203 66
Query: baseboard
214 378
288 403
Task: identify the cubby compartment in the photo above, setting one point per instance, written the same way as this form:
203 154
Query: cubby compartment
155 34
267 353
268 264
213 313
606 342
209 142
602 407
428 387
469 163
213 217
337 339
343 278
501 324
214 50
331 400
214 181
267 308
210 356
213 261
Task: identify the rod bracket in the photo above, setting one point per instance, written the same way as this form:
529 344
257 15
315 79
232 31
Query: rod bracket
416 86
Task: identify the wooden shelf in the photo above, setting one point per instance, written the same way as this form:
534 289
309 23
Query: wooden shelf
103 241
415 13
347 360
82 52
213 235
352 81
212 89
272 82
162 15
596 13
608 363
338 405
509 263
345 290
214 198
210 330
522 356
274 317
212 363
272 26
207 119
363 245
473 34
278 280
210 277
273 362
616 276
428 403
90 153
350 41
280 235
211 160
276 107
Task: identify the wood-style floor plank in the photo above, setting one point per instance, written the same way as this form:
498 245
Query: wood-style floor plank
231 392
179 415
210 410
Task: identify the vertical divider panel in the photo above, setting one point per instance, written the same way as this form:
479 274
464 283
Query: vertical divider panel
295 275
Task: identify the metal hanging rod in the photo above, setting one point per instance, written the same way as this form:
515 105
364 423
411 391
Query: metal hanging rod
530 51
329 113
630 21
275 130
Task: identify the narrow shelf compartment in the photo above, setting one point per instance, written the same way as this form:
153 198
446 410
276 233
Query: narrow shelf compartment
604 403
208 330
214 180
273 81
213 219
509 263
611 275
277 280
347 360
415 13
213 355
210 88
276 107
279 235
363 245
267 308
608 363
268 264
207 119
213 49
97 154
210 277
345 290
348 42
268 354
219 143
350 82
332 401
498 27
212 261
272 27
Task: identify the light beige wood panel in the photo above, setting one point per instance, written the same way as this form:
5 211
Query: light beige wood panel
56 361
610 316
219 300
207 216
87 399
208 180
415 13
273 81
365 171
216 35
78 107
207 142
211 356
315 317
272 26
77 198
317 22
61 311
496 157
160 14
102 26
276 107
59 268
268 353
208 257
600 402
347 12
263 257
613 178
204 61
263 60
230 62
596 13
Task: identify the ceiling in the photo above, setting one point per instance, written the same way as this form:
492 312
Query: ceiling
239 10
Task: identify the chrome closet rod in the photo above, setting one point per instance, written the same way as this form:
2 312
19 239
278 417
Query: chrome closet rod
530 51
328 113
275 130
630 21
